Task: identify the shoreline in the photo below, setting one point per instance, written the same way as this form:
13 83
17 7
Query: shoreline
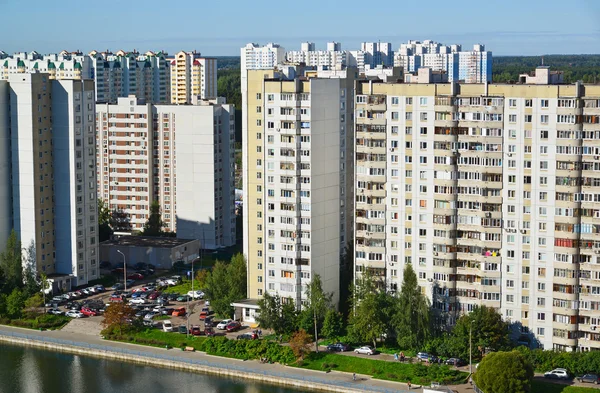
145 357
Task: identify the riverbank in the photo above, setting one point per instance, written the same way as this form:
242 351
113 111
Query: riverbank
196 362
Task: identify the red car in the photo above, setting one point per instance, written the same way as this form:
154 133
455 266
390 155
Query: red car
179 312
154 295
233 326
88 312
195 331
135 276
209 332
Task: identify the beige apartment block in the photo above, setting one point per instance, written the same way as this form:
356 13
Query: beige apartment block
491 192
192 75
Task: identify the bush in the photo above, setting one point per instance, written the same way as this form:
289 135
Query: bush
576 363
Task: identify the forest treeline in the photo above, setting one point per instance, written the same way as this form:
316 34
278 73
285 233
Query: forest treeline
585 68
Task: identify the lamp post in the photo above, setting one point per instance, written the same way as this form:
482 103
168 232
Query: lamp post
124 270
471 348
188 300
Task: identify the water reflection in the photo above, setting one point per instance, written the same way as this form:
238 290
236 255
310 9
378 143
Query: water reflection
28 370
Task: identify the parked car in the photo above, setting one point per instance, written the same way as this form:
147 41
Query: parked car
182 329
117 286
150 315
247 336
196 294
55 311
557 373
138 300
589 378
88 312
195 331
456 362
208 321
423 356
135 276
172 296
179 312
167 326
223 324
183 298
99 288
130 282
204 312
74 314
167 311
163 301
58 299
366 350
141 313
208 331
154 295
233 326
338 347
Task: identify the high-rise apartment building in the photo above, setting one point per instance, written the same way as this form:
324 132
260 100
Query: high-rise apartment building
333 57
255 57
178 155
52 193
378 53
473 66
296 178
193 76
490 192
115 74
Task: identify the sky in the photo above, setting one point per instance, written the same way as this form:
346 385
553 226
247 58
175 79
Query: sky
221 28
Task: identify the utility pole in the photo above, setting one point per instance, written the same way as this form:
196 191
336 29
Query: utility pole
124 270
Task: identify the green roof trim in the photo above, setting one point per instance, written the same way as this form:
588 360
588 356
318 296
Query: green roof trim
77 66
51 66
35 66
6 63
20 63
61 66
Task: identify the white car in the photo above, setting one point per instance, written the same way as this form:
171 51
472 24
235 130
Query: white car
223 324
74 314
557 373
150 315
196 294
167 326
170 282
137 300
366 350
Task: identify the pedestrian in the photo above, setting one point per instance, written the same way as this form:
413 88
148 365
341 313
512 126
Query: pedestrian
409 385
354 376
396 356
259 332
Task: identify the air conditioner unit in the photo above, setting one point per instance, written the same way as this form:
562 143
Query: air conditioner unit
593 327
522 230
430 279
488 215
435 253
596 157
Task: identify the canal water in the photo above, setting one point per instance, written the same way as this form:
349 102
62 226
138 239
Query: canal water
30 370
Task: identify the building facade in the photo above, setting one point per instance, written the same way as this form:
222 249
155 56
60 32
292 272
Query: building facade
52 165
473 66
296 188
192 76
256 57
333 57
143 149
115 74
490 192
378 53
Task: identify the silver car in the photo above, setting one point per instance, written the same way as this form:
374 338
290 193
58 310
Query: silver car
365 350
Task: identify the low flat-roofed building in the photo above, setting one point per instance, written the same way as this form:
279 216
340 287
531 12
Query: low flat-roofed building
162 252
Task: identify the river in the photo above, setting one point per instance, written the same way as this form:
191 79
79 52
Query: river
29 370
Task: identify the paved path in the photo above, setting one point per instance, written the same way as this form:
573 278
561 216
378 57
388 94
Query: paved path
364 382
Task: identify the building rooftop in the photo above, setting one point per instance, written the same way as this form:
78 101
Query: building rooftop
146 241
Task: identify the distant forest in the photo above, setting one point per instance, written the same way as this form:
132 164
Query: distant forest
585 68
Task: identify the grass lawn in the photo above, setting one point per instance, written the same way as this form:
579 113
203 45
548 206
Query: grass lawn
416 373
381 347
183 288
548 387
41 321
158 338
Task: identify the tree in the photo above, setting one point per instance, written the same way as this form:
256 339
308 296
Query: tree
370 310
154 225
300 343
225 284
11 264
318 302
118 315
411 316
44 287
15 303
488 331
501 372
277 315
237 277
34 301
104 219
333 326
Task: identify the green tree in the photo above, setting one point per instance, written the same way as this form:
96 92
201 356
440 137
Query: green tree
225 284
318 302
3 298
237 278
502 372
34 301
277 315
154 225
104 218
11 264
117 315
488 331
44 287
31 284
411 317
120 221
370 313
333 325
15 303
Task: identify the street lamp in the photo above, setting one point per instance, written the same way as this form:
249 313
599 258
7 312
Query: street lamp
471 348
124 270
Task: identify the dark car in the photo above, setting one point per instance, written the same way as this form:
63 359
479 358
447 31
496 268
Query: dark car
105 265
173 296
338 347
167 311
55 311
154 295
247 336
195 331
182 329
141 313
589 378
183 298
455 362
135 276
233 326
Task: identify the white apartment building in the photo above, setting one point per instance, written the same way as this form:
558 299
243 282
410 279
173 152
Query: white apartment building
378 53
489 191
52 197
473 66
255 57
115 74
143 149
296 182
192 76
333 57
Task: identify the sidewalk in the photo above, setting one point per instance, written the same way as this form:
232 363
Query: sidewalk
334 379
